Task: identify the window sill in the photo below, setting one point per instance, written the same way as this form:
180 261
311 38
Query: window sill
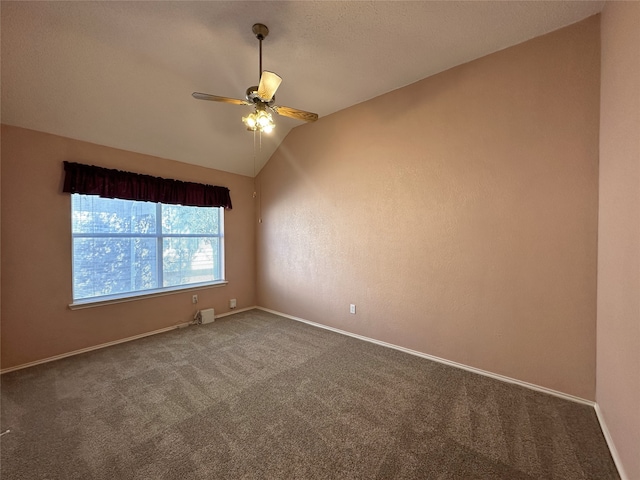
90 303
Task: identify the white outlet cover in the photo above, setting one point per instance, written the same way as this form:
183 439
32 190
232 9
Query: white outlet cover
352 308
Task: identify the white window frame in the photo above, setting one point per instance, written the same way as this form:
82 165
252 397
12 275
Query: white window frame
159 237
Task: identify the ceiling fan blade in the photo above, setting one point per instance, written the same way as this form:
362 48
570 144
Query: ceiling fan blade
269 83
216 98
295 113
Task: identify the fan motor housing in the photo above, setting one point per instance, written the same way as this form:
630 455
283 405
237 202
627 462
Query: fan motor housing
253 97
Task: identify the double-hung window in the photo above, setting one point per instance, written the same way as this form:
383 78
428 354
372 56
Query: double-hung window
125 248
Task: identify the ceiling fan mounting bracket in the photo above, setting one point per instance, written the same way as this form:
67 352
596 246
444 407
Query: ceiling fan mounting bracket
260 31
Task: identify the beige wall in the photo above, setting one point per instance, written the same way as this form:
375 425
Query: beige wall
36 250
459 214
618 372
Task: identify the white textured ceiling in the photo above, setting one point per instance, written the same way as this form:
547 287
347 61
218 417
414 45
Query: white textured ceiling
121 73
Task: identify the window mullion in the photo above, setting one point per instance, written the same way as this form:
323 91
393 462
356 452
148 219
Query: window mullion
159 251
220 264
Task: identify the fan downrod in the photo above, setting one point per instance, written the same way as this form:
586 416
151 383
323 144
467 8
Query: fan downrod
260 31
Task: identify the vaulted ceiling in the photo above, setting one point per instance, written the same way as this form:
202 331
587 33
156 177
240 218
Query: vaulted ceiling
121 73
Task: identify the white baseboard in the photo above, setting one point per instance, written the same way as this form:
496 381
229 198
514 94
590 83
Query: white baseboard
343 332
609 439
605 431
479 371
109 344
607 435
612 449
234 311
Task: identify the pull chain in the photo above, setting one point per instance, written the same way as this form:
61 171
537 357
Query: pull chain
255 178
254 164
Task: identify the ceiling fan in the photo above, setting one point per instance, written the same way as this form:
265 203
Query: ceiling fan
262 97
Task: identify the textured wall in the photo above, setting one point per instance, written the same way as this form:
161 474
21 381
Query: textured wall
36 250
618 374
459 213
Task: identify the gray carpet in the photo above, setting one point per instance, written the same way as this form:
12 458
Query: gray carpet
258 396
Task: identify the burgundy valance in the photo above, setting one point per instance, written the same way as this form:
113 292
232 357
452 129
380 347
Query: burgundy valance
109 183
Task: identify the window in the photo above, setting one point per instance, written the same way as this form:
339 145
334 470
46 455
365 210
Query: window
124 248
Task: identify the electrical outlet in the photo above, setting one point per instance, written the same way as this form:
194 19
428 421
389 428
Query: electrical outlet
352 308
232 303
194 299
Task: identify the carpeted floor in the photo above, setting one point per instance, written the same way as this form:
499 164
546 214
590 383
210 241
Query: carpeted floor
257 396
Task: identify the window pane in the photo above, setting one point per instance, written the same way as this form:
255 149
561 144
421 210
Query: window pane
190 260
178 219
93 214
108 266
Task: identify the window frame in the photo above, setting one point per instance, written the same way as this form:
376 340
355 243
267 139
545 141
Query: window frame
159 237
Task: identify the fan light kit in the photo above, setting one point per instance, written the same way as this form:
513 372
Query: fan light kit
260 120
262 97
